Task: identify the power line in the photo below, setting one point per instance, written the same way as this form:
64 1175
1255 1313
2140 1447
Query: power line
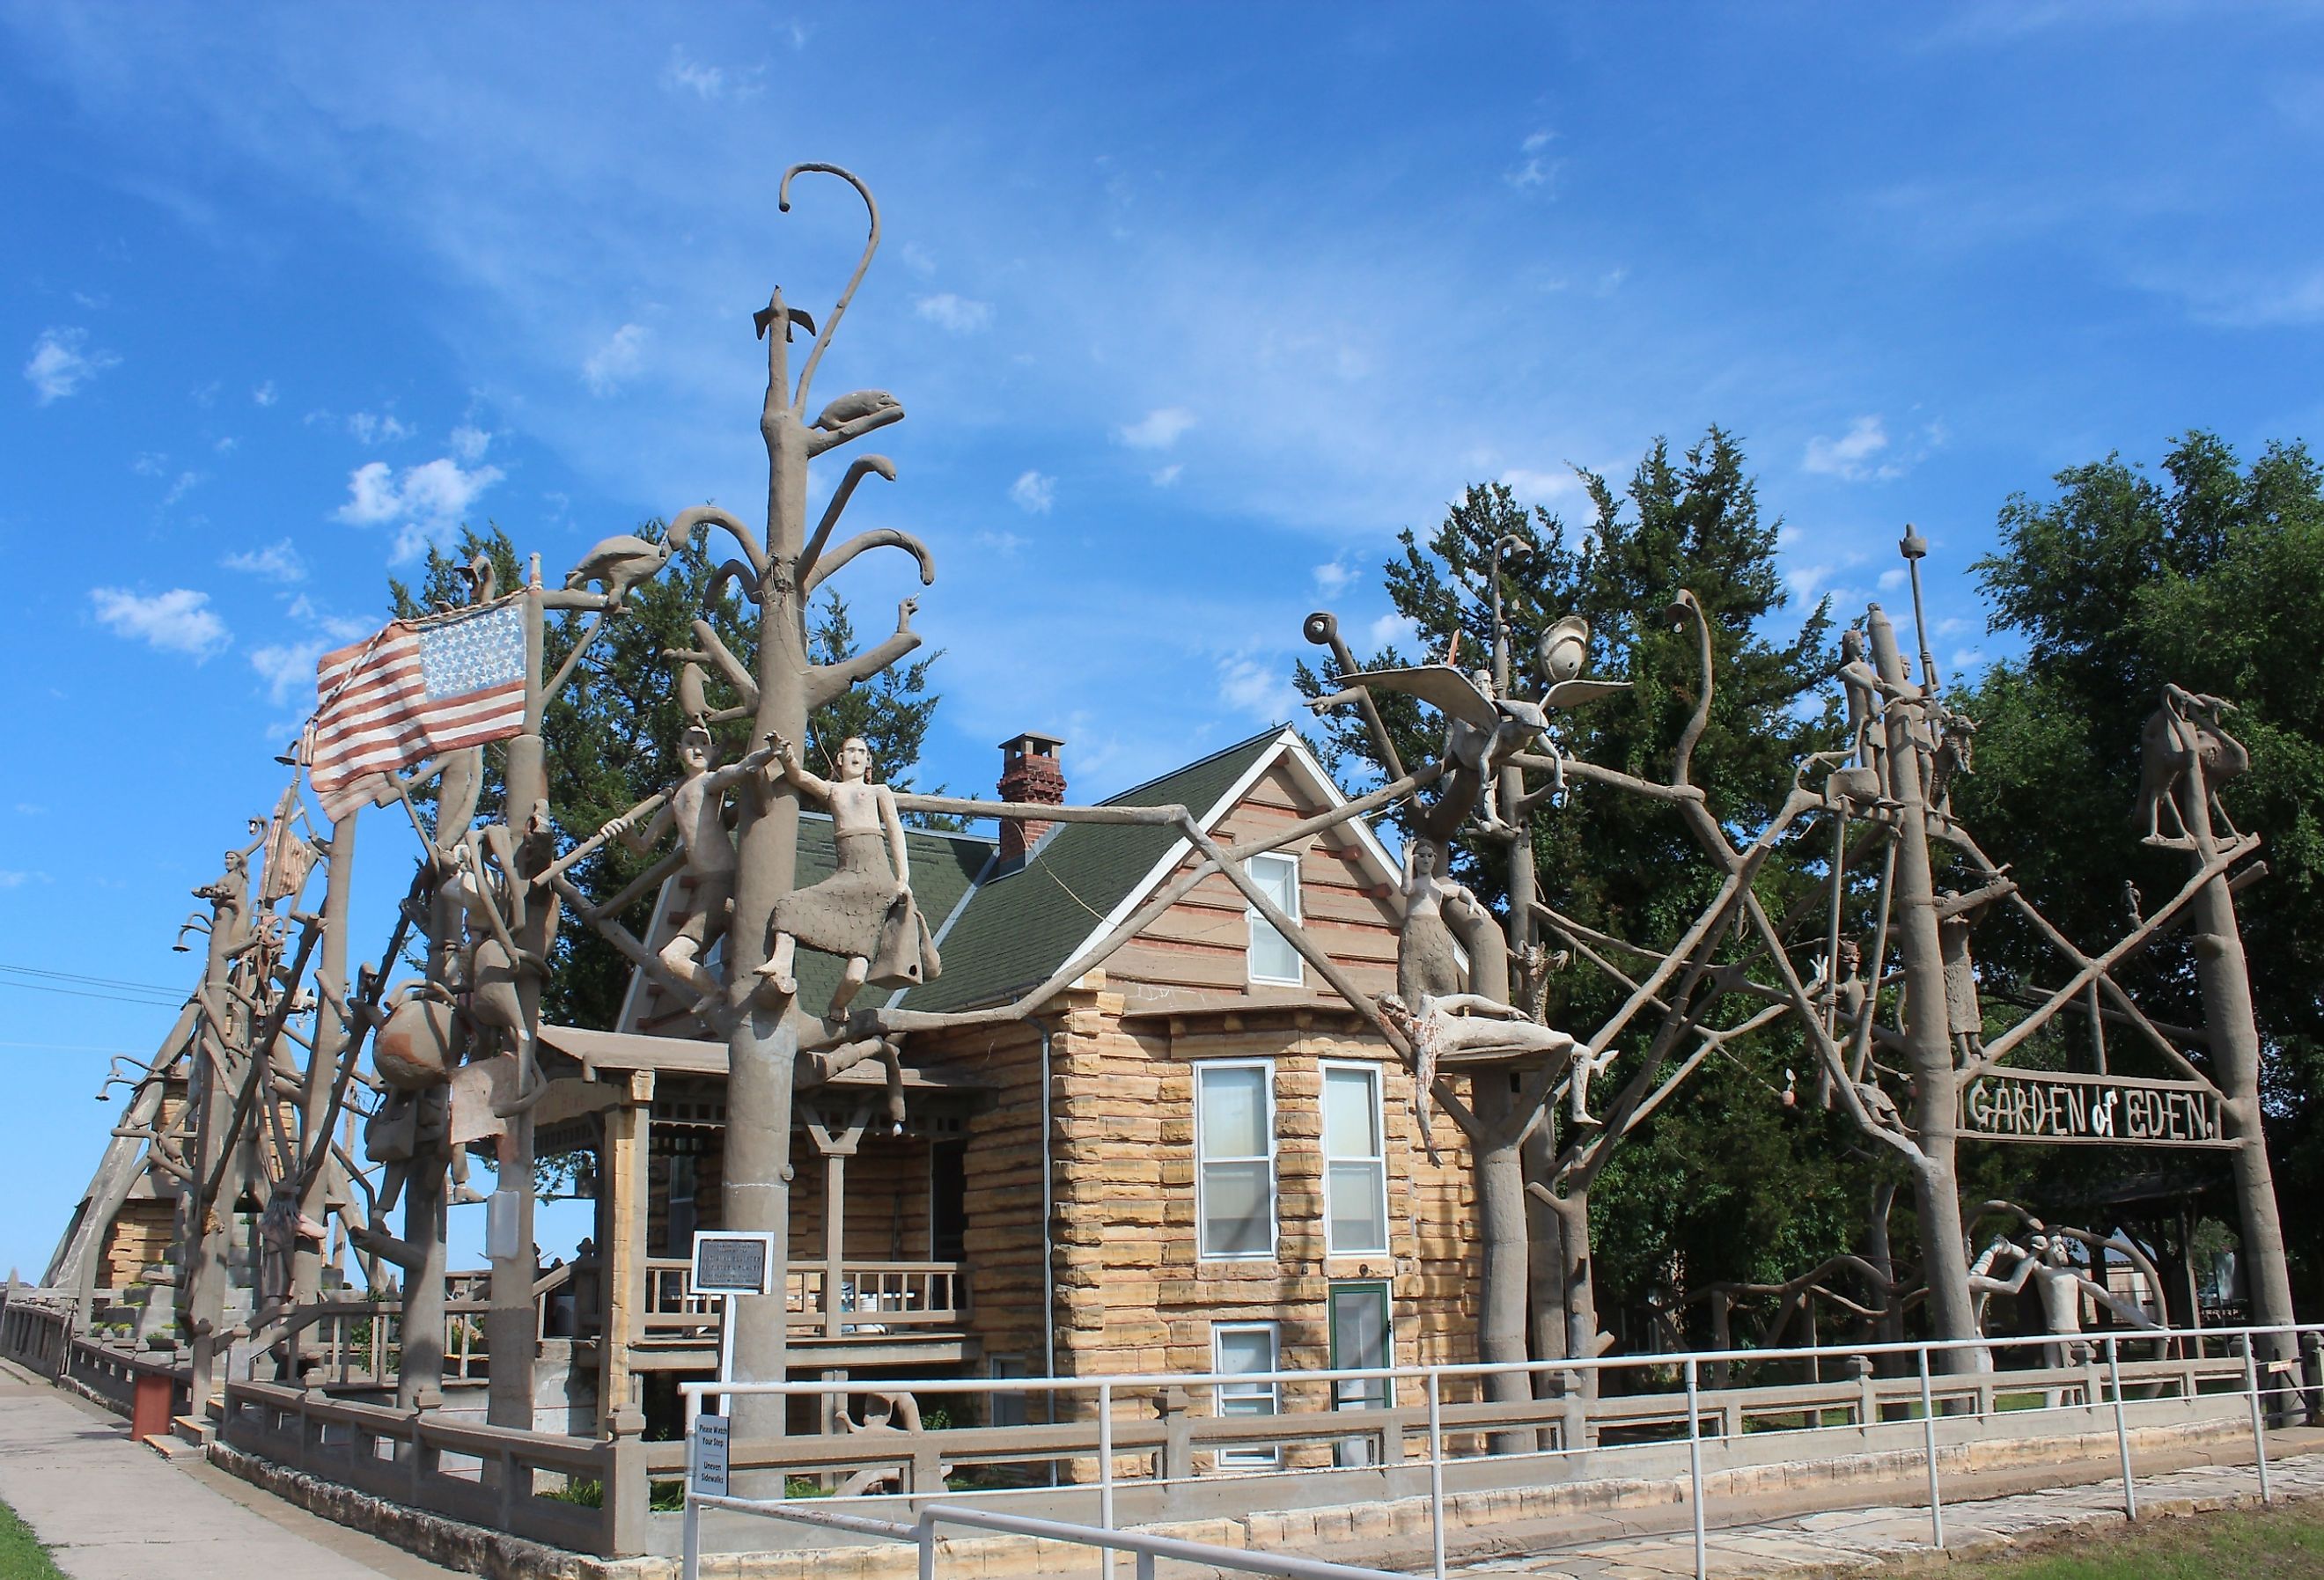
86 981
110 998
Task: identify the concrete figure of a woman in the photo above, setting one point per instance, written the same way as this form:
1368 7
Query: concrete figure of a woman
864 911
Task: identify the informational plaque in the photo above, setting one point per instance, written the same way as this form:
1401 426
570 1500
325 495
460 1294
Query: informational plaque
732 1263
2053 1106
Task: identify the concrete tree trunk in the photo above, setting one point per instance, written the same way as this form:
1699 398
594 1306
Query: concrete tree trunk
1928 1041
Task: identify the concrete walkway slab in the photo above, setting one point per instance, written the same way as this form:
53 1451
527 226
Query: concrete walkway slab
115 1510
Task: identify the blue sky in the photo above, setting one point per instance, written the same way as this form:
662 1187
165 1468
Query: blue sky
1193 307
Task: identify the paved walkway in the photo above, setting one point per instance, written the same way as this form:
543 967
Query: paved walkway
1841 1542
115 1510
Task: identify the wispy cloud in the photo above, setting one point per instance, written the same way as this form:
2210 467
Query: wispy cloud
955 313
469 443
1539 487
1001 544
618 359
425 502
1158 429
179 620
277 561
1854 455
1257 687
710 84
62 364
1533 170
1167 476
286 667
382 428
1334 578
1033 493
264 394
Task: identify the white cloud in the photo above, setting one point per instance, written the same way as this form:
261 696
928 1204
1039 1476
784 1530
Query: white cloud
303 607
1334 578
61 363
1534 487
225 446
1001 544
1890 580
1852 455
1807 580
1167 476
619 358
149 464
378 429
264 395
178 620
12 880
426 501
278 562
1537 142
286 667
469 443
1158 429
684 74
1249 686
1967 658
1395 631
1952 626
955 313
186 484
1034 493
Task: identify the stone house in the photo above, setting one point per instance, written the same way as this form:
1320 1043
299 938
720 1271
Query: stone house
1195 1158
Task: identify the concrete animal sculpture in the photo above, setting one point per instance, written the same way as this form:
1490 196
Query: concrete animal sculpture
2187 725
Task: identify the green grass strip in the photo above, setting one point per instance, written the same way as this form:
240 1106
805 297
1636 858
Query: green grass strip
22 1555
2280 1543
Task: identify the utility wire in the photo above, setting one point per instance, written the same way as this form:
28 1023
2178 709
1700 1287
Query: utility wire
111 998
84 981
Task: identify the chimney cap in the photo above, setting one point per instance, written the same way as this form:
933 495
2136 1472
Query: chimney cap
1033 743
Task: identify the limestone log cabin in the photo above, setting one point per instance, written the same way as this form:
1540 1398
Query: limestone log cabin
1196 1158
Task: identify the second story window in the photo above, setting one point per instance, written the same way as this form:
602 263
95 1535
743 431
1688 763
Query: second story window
1272 957
1355 1162
1234 1158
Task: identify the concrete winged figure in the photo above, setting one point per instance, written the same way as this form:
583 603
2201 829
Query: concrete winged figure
1483 730
864 911
620 562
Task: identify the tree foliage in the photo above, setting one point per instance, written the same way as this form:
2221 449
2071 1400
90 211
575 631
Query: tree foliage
2209 576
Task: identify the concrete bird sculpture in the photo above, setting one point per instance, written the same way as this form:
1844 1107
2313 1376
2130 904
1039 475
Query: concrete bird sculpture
620 562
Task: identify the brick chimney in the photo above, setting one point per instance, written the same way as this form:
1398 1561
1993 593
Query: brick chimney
1029 772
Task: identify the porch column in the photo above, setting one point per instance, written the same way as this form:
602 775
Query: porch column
837 1144
622 1254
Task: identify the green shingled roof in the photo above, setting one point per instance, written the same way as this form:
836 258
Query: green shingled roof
1020 924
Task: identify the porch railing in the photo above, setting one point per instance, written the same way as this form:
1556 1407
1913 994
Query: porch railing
873 1299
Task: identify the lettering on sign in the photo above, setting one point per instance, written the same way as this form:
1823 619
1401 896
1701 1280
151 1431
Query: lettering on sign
732 1263
709 1470
2040 1105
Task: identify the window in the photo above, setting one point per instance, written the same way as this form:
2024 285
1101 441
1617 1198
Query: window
1234 1153
1246 1347
1007 1406
1272 957
1360 1342
1355 1162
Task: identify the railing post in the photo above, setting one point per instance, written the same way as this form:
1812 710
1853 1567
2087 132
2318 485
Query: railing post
1436 1473
1106 1482
1929 1447
927 1540
2259 1430
1694 1469
2121 1428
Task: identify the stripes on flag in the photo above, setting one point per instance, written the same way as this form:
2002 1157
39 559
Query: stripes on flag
418 689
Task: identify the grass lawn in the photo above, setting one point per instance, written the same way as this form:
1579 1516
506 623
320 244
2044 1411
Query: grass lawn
2256 1544
21 1556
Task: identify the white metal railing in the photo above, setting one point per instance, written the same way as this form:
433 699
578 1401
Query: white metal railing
2239 1370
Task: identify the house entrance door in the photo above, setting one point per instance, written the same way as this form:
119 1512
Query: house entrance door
1359 1339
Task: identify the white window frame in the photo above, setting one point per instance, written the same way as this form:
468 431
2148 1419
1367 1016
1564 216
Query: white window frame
1255 921
1378 1080
1250 1458
1266 1067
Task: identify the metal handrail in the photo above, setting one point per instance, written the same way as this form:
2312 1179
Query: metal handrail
1931 1390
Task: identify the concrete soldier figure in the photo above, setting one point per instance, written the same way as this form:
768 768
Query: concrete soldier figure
696 810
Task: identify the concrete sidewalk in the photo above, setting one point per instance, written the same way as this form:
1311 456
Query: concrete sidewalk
115 1510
